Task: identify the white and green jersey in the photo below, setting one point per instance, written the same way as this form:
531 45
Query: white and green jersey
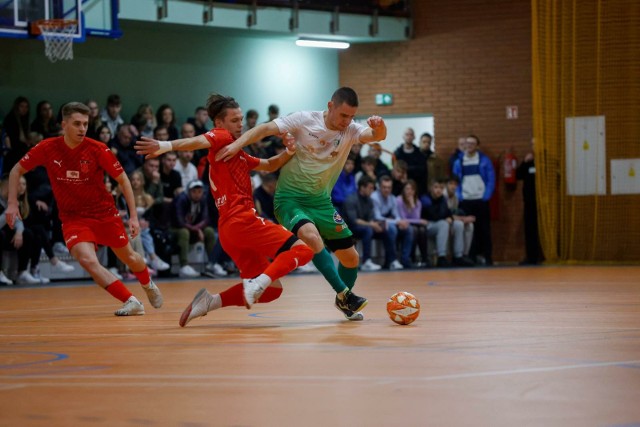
320 154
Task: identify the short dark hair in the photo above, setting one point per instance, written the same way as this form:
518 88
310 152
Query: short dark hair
114 100
474 137
217 106
365 180
74 107
252 113
273 109
345 95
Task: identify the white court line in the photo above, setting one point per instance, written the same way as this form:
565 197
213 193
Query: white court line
214 380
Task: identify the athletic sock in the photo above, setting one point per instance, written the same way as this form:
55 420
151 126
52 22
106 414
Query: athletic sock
232 296
143 276
348 275
324 263
288 261
119 291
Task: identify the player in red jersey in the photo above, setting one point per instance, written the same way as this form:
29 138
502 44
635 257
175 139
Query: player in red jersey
251 241
76 166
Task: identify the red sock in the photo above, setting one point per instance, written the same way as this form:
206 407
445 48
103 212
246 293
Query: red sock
288 261
143 276
232 296
119 291
270 294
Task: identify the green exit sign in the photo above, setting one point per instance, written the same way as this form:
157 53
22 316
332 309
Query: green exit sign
384 99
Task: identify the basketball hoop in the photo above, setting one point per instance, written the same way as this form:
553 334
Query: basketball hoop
58 37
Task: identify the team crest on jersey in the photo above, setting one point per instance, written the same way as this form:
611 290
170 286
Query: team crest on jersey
337 218
84 166
73 174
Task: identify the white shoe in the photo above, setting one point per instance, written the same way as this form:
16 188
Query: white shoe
216 269
60 248
188 271
114 271
159 265
5 280
252 292
369 265
154 295
199 307
307 268
132 307
62 267
395 265
35 272
25 278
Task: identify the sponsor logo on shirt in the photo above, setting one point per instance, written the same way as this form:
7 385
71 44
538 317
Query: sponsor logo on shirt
221 201
313 136
337 218
84 166
73 174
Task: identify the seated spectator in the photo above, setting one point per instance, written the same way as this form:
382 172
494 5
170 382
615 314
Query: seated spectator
123 145
450 194
368 166
375 151
165 116
358 214
144 120
400 230
95 120
263 197
200 121
399 177
440 222
345 185
185 168
111 114
190 224
45 123
170 179
161 133
410 209
15 128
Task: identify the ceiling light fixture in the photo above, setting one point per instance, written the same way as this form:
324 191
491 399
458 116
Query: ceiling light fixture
322 43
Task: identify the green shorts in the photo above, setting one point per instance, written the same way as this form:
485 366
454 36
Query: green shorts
290 211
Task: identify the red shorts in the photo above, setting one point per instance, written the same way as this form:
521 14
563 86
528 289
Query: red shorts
107 231
252 242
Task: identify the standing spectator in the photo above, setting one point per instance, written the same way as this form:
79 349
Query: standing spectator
345 185
400 230
165 116
273 112
251 120
111 114
478 178
527 173
356 153
15 129
200 120
359 215
44 123
416 161
458 153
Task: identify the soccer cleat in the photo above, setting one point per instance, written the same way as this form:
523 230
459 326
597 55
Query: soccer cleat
199 307
132 307
251 292
351 305
154 295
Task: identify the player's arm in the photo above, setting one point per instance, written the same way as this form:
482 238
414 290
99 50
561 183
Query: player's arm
251 136
150 148
274 163
12 211
125 186
377 130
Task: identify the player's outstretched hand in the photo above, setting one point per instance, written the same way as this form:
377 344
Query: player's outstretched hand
147 147
227 152
375 122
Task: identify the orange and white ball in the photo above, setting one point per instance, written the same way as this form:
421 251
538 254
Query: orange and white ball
403 308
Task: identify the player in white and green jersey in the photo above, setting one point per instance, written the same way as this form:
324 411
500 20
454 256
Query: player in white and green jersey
303 196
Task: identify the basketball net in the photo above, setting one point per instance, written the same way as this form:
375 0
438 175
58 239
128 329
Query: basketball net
58 38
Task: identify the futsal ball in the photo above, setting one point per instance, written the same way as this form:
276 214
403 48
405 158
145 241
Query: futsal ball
403 308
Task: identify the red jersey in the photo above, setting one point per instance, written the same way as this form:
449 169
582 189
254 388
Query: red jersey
230 181
77 176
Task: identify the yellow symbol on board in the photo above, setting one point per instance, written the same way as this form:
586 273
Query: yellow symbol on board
585 145
632 172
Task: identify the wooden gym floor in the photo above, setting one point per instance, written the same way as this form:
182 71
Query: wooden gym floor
538 346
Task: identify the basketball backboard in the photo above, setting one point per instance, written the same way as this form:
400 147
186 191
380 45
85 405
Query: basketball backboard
16 15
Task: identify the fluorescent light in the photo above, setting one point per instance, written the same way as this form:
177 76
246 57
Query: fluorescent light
322 43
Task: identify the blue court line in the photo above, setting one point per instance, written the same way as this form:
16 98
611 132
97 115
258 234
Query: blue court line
56 357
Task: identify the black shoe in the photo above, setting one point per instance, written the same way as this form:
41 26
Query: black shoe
443 262
463 261
350 305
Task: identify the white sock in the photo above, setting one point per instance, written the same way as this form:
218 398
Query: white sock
263 281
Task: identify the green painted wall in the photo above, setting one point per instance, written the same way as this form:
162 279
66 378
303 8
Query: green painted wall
177 64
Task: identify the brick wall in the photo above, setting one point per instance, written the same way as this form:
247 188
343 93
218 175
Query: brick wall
468 60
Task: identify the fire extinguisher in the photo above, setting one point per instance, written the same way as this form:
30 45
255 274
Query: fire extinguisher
510 163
